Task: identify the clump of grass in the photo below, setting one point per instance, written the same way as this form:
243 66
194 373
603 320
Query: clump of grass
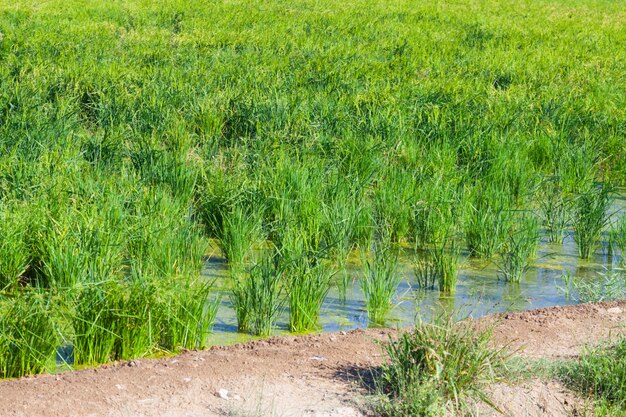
555 212
487 221
187 314
114 321
241 299
437 368
600 372
438 265
590 218
241 230
606 286
29 335
308 283
379 283
617 238
264 292
14 252
519 248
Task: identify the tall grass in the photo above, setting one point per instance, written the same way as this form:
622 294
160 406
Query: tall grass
520 246
590 218
29 335
241 230
436 368
307 283
487 220
600 372
379 282
264 295
438 265
555 212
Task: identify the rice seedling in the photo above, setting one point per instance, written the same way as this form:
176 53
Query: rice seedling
379 283
241 230
307 284
14 252
617 238
438 265
555 212
590 218
29 334
264 295
520 246
487 221
436 368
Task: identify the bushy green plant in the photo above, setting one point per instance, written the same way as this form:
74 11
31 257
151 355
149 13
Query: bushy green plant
379 282
519 247
307 284
437 367
590 218
600 372
29 335
487 220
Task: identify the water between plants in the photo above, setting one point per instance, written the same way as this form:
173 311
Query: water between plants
479 290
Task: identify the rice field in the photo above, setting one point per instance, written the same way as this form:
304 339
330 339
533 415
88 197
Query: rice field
318 148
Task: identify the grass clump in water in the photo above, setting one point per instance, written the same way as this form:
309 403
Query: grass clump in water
263 290
590 218
519 248
437 369
379 283
487 221
438 265
555 212
308 283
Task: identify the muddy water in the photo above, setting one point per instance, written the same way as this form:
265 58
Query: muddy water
479 292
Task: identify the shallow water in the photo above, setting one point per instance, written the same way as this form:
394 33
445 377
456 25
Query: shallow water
479 292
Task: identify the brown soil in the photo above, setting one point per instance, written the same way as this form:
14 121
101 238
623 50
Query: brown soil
316 375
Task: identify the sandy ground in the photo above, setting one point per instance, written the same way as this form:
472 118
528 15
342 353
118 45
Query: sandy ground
316 375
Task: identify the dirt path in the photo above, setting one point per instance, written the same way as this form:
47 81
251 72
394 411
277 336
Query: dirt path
294 376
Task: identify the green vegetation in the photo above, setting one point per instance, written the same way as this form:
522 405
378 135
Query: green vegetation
437 368
590 218
379 282
600 372
132 133
520 246
308 284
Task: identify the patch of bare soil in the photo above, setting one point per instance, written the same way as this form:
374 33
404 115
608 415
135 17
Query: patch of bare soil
316 375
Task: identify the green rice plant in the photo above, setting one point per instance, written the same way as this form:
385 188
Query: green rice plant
519 247
446 258
617 238
438 265
425 271
14 252
590 218
438 368
341 217
29 334
555 211
487 222
437 210
264 295
241 230
394 198
307 284
187 314
379 283
115 321
600 372
241 299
